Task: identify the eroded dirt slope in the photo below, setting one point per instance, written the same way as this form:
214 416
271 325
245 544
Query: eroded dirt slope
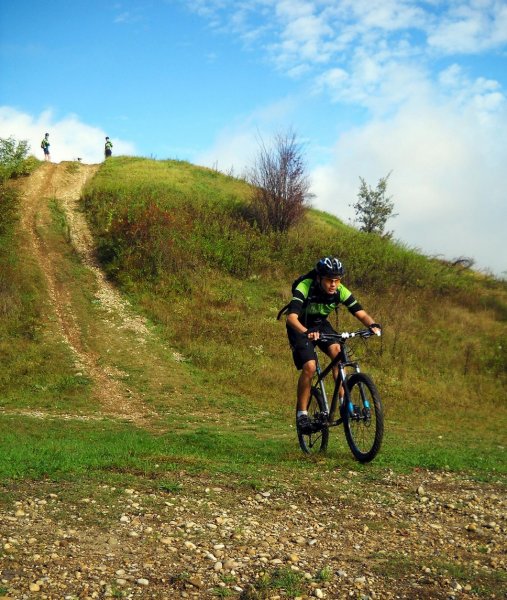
64 183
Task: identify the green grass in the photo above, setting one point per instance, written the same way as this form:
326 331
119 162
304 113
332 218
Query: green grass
173 238
37 370
56 449
289 583
35 449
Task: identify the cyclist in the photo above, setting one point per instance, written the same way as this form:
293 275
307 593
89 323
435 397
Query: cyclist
45 146
313 300
108 148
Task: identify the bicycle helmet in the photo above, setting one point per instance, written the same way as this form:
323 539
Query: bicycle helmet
329 267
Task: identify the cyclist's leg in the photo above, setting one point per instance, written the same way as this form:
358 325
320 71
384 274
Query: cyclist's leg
332 349
303 354
305 384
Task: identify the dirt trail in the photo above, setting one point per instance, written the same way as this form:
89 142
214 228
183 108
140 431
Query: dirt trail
64 182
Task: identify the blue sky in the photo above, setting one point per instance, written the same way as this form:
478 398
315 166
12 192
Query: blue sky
416 88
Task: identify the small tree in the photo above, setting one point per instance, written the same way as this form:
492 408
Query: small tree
12 157
281 184
373 207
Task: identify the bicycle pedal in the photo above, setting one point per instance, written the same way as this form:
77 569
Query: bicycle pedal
322 419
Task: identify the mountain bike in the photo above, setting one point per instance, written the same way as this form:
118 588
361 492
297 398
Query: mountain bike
359 410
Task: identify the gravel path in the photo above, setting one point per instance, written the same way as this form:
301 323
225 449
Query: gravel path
422 535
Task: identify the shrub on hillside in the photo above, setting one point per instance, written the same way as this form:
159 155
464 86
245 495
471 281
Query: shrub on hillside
280 184
141 240
14 160
166 221
149 242
373 207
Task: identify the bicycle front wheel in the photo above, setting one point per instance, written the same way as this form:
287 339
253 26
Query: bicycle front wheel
312 443
363 419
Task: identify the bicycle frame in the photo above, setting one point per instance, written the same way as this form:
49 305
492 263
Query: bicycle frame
359 411
342 362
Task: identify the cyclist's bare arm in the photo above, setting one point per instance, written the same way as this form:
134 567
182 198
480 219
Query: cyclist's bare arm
293 321
366 320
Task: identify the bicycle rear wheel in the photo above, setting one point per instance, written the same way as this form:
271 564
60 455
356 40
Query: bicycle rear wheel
312 443
363 420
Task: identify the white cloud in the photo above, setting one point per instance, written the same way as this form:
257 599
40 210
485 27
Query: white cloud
70 138
297 34
471 27
304 33
387 15
446 182
236 147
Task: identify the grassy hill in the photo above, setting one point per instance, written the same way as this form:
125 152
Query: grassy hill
176 240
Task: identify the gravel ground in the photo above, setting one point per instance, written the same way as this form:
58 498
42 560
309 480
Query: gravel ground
423 535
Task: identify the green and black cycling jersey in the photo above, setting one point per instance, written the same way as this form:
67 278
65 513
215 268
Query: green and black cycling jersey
313 305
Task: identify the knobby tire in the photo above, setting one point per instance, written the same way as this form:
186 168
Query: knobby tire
316 442
364 435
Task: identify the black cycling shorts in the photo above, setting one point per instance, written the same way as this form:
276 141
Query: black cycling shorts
302 348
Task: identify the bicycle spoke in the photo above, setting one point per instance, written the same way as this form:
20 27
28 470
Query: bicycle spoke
317 441
364 425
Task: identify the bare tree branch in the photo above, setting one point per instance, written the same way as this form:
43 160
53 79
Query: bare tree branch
281 184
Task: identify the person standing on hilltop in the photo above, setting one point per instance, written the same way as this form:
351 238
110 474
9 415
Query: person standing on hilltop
45 147
315 296
108 148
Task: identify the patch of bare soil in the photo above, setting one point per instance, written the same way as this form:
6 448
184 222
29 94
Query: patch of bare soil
64 183
419 536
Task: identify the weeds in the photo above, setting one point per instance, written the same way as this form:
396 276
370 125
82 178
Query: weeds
286 580
170 487
325 574
222 592
59 219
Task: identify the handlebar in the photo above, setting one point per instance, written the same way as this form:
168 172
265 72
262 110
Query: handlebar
345 335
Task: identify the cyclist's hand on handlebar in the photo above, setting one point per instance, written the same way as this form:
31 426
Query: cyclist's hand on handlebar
313 333
375 328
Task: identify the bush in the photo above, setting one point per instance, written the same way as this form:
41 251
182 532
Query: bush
373 207
13 158
281 184
164 221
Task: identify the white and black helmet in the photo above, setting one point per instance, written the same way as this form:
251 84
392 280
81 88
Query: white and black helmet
329 267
